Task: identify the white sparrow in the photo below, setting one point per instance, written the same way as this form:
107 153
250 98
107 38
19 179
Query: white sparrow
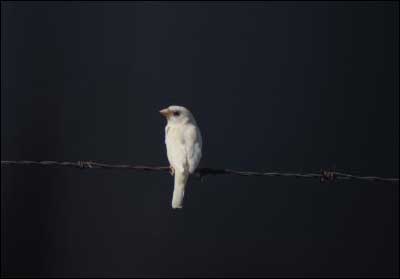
184 143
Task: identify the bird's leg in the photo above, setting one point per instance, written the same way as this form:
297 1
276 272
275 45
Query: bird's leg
171 170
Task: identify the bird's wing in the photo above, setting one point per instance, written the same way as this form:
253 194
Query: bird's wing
193 145
176 151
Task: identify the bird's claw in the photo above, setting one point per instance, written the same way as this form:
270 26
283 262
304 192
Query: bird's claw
199 176
171 170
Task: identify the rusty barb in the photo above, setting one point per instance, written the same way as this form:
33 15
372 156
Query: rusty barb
328 175
85 164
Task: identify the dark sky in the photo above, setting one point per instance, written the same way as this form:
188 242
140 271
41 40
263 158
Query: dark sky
274 86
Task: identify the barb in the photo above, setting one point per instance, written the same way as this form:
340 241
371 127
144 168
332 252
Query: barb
324 175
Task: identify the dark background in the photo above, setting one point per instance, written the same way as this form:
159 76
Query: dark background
273 86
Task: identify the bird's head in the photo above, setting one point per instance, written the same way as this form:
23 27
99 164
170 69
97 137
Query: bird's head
177 115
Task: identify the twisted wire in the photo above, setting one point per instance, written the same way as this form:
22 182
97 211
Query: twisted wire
323 175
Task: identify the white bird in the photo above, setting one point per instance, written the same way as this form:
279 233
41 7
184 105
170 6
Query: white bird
184 143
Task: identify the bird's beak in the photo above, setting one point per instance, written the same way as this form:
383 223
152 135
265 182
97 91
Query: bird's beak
166 112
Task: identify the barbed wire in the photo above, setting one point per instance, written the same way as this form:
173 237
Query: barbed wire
324 175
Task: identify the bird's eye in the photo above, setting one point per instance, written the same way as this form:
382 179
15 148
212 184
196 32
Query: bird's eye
176 113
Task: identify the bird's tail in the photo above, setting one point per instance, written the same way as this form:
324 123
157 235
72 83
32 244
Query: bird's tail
179 189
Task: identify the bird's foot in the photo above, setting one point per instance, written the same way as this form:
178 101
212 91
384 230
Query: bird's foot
171 170
199 176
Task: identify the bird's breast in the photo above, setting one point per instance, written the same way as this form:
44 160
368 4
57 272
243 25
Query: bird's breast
174 135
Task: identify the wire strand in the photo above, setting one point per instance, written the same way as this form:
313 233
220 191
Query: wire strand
324 175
